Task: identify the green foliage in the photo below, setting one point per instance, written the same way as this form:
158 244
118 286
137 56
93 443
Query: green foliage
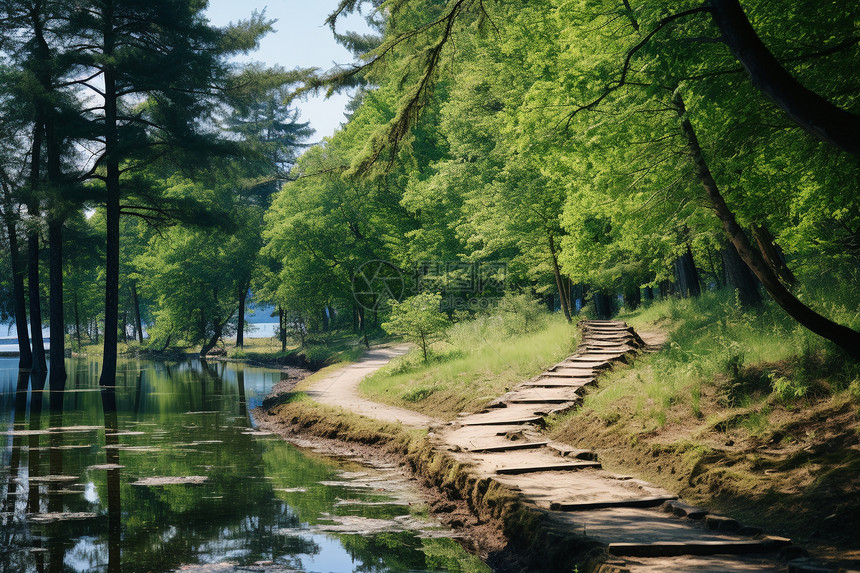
788 390
418 319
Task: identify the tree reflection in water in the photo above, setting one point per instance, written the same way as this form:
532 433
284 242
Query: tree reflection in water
256 498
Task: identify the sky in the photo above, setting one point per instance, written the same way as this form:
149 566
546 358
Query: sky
301 40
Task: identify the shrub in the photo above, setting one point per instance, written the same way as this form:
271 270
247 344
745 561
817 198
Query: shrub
418 319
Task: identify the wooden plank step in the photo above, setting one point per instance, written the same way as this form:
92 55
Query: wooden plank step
503 421
513 446
580 375
607 330
555 382
623 336
559 467
570 372
596 361
605 344
602 356
538 400
677 548
650 501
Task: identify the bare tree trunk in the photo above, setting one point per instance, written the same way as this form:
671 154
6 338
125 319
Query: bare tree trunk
842 336
136 301
77 322
39 361
282 327
687 275
807 109
112 212
740 277
562 295
240 329
772 254
25 355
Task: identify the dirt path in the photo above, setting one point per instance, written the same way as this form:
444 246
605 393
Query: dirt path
341 389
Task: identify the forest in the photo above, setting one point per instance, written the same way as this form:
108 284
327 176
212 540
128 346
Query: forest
603 153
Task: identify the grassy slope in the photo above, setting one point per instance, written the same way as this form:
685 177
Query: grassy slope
480 360
743 412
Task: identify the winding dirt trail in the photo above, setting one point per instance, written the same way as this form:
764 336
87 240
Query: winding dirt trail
341 389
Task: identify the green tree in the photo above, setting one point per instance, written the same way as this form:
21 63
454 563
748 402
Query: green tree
418 319
162 66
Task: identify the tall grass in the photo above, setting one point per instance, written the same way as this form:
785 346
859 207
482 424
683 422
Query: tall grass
480 359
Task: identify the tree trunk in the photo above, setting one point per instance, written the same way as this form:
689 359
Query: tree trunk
740 277
39 363
687 275
842 336
56 316
136 301
558 280
282 327
772 254
77 322
211 343
112 192
240 329
649 293
807 109
25 355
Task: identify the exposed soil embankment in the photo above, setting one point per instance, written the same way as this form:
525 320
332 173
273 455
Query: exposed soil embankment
797 476
489 519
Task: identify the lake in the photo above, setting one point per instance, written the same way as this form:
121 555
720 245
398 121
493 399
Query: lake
178 477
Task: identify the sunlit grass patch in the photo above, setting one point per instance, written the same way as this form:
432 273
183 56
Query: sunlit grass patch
481 359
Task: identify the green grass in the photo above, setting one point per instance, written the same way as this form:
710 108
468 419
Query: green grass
480 360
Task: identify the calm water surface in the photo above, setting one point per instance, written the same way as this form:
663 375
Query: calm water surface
180 478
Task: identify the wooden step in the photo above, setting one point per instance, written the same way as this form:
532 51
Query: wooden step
503 421
558 382
570 372
559 467
651 501
677 548
540 400
513 446
601 356
578 373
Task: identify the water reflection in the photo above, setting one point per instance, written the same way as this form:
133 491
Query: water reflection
167 469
